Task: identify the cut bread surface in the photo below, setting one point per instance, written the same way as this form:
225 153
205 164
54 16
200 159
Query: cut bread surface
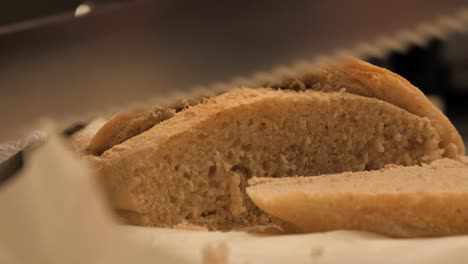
415 201
194 166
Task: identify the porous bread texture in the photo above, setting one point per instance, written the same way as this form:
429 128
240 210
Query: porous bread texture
361 78
415 201
194 166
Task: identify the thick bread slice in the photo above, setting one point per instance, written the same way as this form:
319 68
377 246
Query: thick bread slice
356 76
416 201
194 166
361 78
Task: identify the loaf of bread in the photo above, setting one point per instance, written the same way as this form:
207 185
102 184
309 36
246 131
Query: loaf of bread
191 164
415 201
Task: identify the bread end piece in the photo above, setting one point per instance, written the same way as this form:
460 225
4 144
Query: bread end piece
416 201
364 79
397 90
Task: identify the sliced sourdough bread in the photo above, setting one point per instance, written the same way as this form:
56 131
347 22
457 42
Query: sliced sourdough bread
189 163
194 166
415 201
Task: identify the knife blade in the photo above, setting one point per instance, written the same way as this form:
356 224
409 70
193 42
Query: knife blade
148 52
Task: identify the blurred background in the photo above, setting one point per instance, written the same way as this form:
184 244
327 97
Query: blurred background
145 45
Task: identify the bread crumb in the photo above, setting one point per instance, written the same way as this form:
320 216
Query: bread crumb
215 254
180 105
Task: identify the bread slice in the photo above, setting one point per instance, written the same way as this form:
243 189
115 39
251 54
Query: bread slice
415 201
361 78
355 76
194 166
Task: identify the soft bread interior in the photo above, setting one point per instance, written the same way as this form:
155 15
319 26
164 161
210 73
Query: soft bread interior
194 166
413 201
